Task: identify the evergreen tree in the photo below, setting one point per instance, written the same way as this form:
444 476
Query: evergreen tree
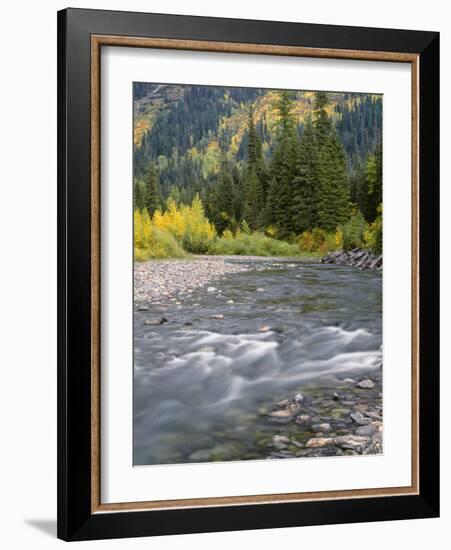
373 180
139 195
332 173
283 169
224 203
153 193
239 195
305 183
255 178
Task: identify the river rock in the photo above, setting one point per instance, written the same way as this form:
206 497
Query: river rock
281 439
143 308
155 322
358 418
217 316
354 442
264 328
303 419
283 413
280 442
315 442
367 431
366 384
260 290
299 398
323 428
361 259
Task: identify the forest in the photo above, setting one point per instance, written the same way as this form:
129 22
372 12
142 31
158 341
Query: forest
250 171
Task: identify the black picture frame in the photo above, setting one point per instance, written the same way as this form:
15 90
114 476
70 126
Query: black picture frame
76 521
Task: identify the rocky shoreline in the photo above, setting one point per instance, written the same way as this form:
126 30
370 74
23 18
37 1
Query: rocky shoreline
159 282
163 281
344 419
362 259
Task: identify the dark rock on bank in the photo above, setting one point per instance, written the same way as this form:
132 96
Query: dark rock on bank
362 259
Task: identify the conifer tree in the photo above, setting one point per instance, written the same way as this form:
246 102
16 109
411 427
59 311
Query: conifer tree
153 193
283 169
305 183
255 178
224 203
139 195
332 184
373 188
239 196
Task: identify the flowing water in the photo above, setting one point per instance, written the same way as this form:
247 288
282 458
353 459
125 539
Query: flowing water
203 387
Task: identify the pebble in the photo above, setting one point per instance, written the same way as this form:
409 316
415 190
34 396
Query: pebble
156 322
303 419
323 428
368 431
366 384
358 418
160 282
299 398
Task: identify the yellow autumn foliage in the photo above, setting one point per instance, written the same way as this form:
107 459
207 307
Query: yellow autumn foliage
151 242
172 232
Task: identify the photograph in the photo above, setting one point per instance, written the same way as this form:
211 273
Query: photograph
257 274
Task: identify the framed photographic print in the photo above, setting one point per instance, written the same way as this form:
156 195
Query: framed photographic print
248 274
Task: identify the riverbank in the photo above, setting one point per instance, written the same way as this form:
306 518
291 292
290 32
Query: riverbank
361 259
158 282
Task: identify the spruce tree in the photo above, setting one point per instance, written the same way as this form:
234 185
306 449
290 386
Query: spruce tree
153 193
224 203
283 169
139 195
255 176
305 183
239 195
373 187
332 173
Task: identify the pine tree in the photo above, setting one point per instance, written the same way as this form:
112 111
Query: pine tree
153 193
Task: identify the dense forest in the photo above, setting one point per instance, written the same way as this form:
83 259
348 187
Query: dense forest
304 168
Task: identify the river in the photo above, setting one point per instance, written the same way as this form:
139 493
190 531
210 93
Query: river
203 386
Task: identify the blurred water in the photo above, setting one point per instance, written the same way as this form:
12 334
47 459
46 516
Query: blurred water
200 384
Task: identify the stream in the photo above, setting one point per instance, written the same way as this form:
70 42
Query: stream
204 386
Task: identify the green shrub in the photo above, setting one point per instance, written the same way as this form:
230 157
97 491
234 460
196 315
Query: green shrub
254 244
353 232
373 233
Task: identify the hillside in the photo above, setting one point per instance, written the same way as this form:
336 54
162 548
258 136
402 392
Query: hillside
186 130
